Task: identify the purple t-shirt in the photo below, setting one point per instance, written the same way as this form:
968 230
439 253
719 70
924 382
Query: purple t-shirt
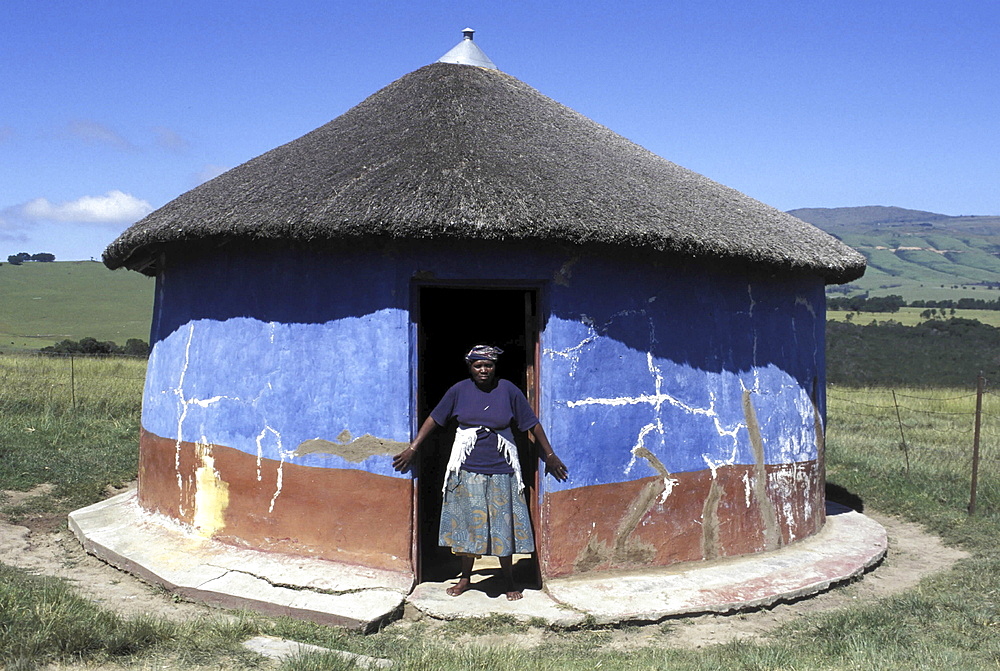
496 409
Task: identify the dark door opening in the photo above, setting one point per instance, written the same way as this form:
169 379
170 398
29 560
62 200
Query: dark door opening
451 321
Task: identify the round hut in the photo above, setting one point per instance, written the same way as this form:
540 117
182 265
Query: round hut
313 304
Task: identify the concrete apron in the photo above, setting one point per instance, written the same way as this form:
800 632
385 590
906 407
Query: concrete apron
161 551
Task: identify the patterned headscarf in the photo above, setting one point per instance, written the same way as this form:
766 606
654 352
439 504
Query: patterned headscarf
483 353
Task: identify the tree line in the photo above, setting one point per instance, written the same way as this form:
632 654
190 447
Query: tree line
948 353
132 347
864 303
21 257
892 303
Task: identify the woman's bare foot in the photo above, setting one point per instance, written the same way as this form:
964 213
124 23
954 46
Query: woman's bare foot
507 569
460 587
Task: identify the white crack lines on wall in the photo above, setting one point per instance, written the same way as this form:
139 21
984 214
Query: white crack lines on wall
283 455
572 354
657 400
185 404
179 392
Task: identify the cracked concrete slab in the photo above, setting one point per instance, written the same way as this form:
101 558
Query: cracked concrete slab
165 553
432 600
849 544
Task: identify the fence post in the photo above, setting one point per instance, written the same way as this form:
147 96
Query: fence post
975 443
72 380
902 436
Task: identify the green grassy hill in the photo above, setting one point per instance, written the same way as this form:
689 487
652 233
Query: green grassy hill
43 303
916 254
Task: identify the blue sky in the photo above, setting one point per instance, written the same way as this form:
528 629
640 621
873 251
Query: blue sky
111 108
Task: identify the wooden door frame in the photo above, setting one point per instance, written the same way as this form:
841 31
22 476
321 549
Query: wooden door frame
533 292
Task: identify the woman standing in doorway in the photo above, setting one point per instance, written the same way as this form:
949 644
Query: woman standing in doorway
484 510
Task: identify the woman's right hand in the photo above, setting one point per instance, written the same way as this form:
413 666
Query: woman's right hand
402 461
405 459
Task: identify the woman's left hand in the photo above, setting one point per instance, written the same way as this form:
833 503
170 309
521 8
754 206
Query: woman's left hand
555 467
553 464
402 461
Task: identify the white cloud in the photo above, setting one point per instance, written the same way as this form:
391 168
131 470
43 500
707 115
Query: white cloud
93 132
114 207
169 139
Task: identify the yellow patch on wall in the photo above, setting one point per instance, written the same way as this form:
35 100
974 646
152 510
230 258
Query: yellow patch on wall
211 497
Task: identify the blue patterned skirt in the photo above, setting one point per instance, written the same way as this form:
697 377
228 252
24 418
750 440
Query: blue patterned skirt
485 515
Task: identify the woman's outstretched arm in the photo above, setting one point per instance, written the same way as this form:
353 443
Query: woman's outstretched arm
553 464
404 459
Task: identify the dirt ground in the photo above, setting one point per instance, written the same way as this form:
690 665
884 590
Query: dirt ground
913 554
46 546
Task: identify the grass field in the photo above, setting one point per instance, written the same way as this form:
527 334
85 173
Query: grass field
877 283
911 316
43 303
82 436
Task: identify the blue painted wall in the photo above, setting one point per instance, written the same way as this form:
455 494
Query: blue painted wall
660 359
261 352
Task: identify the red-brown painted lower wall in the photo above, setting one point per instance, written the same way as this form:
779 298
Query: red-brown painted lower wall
626 526
360 518
339 514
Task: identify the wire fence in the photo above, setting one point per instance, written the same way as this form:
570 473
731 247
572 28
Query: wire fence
61 383
931 431
922 431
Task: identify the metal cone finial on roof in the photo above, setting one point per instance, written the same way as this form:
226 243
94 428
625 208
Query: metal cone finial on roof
467 53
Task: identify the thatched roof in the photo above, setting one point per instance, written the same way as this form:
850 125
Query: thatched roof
465 153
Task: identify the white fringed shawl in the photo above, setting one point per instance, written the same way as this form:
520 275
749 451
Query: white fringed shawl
465 440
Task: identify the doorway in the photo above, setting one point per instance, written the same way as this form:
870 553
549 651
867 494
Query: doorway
451 320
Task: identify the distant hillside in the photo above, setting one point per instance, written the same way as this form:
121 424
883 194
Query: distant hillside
916 254
872 218
43 303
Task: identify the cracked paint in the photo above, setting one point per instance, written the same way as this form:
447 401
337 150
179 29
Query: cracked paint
268 441
205 480
807 304
669 482
710 521
769 518
625 548
211 496
572 354
179 391
657 400
285 454
229 379
652 378
279 478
